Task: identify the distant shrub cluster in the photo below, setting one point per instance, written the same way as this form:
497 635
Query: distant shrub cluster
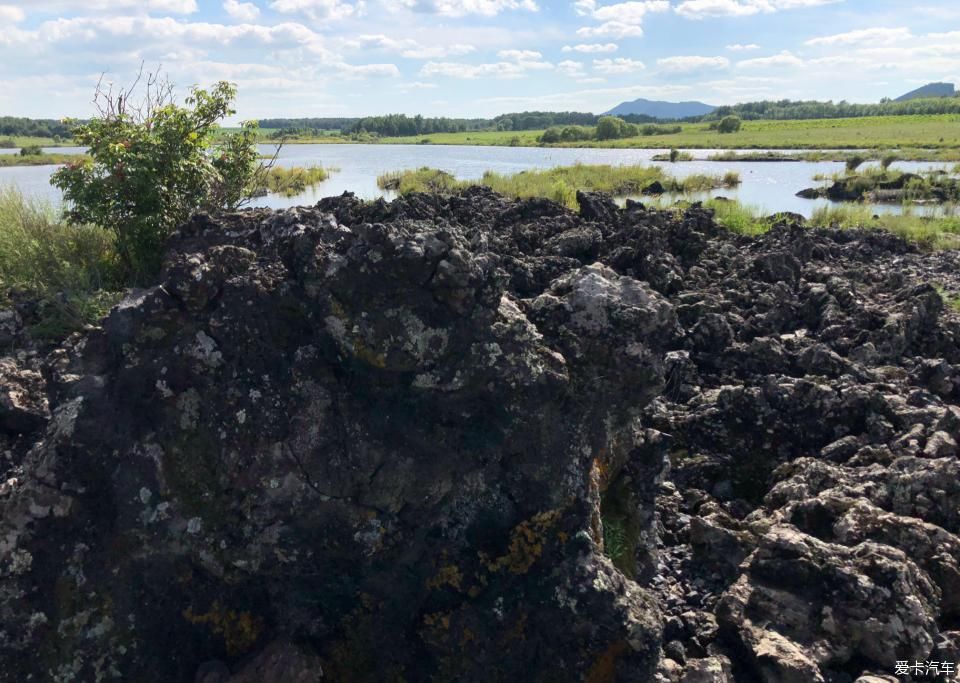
607 128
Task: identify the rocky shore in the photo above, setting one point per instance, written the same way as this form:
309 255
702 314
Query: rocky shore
478 439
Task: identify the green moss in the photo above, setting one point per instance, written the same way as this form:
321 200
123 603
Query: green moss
621 528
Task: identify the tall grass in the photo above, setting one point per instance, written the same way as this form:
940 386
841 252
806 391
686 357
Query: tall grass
72 271
291 181
559 184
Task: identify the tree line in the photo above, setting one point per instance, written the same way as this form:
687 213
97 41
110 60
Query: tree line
812 109
40 128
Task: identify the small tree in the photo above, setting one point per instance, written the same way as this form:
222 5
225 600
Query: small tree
729 124
153 163
610 128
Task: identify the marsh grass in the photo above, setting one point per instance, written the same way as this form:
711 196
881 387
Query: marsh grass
73 272
40 159
291 181
559 184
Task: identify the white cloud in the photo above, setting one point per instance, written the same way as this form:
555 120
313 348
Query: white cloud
873 36
620 20
571 68
611 29
785 58
701 9
686 63
589 48
520 55
621 65
11 15
459 8
505 69
241 11
170 6
738 47
417 85
317 9
407 47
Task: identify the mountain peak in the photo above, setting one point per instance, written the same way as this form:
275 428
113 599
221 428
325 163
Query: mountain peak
660 109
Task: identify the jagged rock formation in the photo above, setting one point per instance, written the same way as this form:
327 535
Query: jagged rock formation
469 438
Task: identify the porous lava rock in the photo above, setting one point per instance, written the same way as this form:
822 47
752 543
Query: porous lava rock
467 438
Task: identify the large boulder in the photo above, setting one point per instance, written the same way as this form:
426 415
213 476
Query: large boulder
353 438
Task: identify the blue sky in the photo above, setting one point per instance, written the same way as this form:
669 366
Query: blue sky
475 57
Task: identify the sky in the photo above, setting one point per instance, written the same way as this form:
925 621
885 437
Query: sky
474 58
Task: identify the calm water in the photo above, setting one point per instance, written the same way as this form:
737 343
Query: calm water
770 186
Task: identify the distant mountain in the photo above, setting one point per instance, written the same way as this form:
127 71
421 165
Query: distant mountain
929 90
661 110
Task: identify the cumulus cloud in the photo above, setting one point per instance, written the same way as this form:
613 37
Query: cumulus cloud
687 63
504 69
738 47
241 11
520 55
11 15
317 9
785 58
569 67
873 36
620 20
168 6
459 8
702 9
621 65
588 48
407 47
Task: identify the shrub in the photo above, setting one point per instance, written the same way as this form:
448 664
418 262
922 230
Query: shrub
152 166
611 128
31 151
551 136
729 124
674 154
854 162
887 160
7 143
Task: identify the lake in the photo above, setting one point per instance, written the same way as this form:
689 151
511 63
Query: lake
770 186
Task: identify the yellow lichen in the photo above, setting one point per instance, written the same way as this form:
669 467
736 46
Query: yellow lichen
448 575
438 620
604 669
526 544
239 630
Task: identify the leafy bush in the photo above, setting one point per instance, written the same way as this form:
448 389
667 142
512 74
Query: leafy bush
674 155
31 151
7 143
152 166
614 128
729 124
551 136
887 160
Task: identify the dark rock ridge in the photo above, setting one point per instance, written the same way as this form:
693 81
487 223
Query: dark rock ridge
367 442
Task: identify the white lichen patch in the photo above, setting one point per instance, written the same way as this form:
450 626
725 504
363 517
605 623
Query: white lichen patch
189 406
205 350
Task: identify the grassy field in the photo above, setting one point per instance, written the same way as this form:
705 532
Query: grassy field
915 135
559 184
39 159
887 132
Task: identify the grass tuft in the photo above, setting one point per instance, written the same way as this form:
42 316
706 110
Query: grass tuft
72 272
